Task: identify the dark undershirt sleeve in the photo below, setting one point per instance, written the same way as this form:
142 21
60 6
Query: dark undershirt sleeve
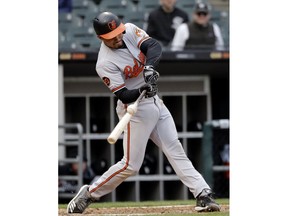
127 96
152 50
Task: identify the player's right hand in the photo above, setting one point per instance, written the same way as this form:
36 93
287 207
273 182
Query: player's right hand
151 89
150 75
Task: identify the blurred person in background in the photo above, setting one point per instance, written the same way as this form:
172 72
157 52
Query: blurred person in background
163 21
200 33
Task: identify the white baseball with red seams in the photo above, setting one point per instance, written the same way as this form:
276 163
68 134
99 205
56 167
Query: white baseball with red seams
120 68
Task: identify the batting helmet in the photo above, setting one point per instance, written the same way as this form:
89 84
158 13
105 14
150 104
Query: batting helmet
108 25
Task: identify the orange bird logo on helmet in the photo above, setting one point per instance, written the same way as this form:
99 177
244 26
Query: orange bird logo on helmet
112 25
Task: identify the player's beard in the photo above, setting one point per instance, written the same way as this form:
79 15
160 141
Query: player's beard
118 44
114 43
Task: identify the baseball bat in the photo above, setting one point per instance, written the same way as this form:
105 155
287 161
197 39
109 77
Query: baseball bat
119 128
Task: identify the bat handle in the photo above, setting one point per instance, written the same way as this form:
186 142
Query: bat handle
141 95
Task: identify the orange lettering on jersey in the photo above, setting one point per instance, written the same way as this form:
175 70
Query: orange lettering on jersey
142 58
128 72
138 67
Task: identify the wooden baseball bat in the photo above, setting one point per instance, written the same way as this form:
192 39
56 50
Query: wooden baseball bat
119 128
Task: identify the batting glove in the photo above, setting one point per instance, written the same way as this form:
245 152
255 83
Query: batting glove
150 75
151 89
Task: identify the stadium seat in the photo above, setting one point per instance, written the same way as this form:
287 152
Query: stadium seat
84 5
64 46
82 39
75 29
64 17
115 5
215 15
147 5
88 19
89 7
64 21
225 32
80 32
187 6
85 15
223 23
89 44
67 21
92 6
135 17
61 37
69 18
120 12
79 4
86 45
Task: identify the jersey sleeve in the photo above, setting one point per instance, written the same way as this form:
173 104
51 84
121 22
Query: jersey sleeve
136 35
111 76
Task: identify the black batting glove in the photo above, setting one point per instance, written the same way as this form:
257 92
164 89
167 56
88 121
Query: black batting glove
151 89
150 75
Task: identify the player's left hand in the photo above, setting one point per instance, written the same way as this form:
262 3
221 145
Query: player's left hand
150 75
151 89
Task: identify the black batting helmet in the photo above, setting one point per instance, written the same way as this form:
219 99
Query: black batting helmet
108 25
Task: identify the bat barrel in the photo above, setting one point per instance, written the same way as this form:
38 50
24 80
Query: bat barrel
115 134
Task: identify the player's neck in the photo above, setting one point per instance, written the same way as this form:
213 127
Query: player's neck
123 45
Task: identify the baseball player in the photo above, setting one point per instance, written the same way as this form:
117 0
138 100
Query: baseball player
126 64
